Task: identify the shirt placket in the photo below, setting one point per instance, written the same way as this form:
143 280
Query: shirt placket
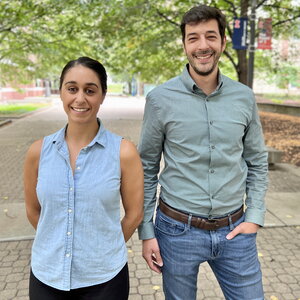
68 247
212 147
69 229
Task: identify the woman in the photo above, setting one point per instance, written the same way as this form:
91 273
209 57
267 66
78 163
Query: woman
73 180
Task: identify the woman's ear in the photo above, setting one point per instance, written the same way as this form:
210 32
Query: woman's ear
102 97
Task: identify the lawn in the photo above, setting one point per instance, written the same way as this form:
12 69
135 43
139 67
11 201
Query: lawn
19 109
281 98
115 88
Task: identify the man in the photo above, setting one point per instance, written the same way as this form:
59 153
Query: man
208 130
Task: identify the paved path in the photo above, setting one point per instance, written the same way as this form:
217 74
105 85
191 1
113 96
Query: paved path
278 242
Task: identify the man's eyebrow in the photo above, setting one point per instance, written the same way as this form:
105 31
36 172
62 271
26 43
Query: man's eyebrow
74 82
211 31
191 33
207 32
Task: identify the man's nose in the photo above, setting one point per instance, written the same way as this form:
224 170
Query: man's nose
202 43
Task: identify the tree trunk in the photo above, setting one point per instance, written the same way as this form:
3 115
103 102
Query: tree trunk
242 66
129 87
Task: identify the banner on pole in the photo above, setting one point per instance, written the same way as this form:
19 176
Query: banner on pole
239 37
264 40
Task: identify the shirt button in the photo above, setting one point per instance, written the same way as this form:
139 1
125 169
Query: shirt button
78 168
68 233
68 255
211 170
69 210
212 147
211 122
71 189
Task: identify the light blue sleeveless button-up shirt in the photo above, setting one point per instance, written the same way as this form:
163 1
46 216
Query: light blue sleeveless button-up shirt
79 240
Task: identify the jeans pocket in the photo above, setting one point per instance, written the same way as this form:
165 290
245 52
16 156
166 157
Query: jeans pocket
169 226
246 239
254 234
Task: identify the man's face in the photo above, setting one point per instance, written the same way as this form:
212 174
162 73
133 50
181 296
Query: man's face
203 47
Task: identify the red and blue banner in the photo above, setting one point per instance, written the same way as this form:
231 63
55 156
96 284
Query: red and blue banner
239 37
264 40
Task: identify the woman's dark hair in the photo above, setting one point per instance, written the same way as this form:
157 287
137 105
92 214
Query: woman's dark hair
90 63
203 13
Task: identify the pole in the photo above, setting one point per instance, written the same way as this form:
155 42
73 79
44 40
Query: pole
251 46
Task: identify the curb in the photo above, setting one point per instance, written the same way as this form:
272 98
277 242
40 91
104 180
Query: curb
8 119
17 239
5 122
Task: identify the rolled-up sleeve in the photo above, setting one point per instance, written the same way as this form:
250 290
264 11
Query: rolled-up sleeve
150 149
256 157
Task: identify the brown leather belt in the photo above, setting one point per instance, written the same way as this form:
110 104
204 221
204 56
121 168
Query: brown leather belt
206 224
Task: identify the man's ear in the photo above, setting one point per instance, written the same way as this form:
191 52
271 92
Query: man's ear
183 47
224 43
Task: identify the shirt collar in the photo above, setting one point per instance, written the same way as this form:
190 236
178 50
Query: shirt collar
190 84
100 137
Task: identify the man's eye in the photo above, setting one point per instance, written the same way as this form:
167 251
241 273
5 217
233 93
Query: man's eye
211 37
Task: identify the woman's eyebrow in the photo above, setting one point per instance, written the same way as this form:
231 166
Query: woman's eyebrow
74 82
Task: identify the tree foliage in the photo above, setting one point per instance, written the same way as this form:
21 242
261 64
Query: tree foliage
131 37
147 33
38 36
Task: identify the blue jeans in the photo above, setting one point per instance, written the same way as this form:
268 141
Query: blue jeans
183 248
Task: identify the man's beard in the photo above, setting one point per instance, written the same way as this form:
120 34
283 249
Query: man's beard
201 72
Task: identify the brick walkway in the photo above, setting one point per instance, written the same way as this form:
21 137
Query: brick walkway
279 247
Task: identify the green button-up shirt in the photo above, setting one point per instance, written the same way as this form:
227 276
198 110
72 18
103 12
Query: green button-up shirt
213 150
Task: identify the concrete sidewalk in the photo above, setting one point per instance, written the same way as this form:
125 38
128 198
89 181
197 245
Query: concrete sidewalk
278 242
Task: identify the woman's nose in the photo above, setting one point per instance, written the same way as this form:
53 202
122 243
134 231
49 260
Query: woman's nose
80 97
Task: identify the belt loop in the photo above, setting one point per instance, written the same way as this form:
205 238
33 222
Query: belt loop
190 220
231 226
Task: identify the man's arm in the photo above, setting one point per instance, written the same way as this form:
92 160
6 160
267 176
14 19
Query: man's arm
256 157
150 148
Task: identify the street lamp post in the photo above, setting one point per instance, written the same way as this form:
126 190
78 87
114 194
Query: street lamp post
251 46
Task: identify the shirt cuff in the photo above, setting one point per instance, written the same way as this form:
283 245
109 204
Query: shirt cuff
256 216
146 231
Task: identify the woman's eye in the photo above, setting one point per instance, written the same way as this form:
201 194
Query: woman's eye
72 89
89 92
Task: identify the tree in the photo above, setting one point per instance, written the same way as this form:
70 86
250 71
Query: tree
37 37
143 35
131 37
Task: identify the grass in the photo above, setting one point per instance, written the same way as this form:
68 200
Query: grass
115 88
19 109
280 98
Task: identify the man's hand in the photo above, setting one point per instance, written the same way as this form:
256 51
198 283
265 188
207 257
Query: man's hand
152 255
244 227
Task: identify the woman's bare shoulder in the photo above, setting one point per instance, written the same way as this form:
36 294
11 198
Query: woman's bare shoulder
35 149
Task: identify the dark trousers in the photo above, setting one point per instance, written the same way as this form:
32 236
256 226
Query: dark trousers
114 289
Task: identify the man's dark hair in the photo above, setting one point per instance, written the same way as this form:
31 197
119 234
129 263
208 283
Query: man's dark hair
90 63
203 13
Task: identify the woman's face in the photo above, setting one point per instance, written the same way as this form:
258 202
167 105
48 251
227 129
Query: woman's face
81 94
